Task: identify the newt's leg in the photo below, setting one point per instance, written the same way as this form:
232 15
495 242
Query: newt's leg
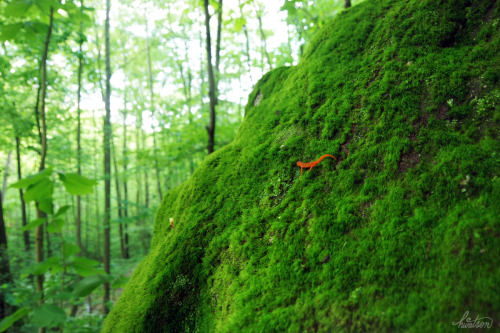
301 170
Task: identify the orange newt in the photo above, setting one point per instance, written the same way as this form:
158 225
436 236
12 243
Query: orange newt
310 165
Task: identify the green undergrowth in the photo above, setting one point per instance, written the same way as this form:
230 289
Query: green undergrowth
401 234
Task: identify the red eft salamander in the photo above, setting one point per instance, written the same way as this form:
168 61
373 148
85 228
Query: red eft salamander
310 165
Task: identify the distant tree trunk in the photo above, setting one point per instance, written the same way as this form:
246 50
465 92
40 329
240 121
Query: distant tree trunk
146 176
26 235
119 202
217 51
138 170
5 276
107 164
125 166
187 86
97 240
347 3
202 73
152 106
247 39
40 213
263 41
78 221
6 173
211 80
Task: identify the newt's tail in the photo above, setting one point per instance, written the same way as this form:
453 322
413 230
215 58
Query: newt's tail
322 157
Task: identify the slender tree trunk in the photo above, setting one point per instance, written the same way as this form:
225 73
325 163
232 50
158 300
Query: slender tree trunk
211 81
138 171
217 51
87 218
97 240
347 4
125 166
5 276
119 202
26 234
146 199
187 85
78 220
264 42
247 39
152 106
6 173
40 214
97 247
146 177
202 73
37 111
107 164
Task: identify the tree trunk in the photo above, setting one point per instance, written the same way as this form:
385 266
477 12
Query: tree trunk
26 235
37 112
146 200
202 73
125 165
107 164
264 43
217 51
138 170
187 86
78 220
5 276
211 83
96 240
247 39
146 176
6 173
152 106
347 3
39 213
119 202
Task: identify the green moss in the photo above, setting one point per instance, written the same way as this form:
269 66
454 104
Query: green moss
402 234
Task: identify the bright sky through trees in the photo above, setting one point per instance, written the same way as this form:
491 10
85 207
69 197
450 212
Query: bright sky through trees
274 20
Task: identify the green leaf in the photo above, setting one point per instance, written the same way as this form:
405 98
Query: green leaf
31 180
76 184
48 315
69 6
239 23
289 6
85 286
35 29
71 249
10 320
17 8
86 267
43 267
46 206
120 282
39 191
63 295
55 225
62 210
9 31
33 224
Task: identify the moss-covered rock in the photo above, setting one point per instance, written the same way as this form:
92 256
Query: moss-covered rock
402 234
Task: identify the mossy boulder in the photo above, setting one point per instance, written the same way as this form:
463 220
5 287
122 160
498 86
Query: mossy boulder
401 234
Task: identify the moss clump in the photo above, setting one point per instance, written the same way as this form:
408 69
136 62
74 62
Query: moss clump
402 234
